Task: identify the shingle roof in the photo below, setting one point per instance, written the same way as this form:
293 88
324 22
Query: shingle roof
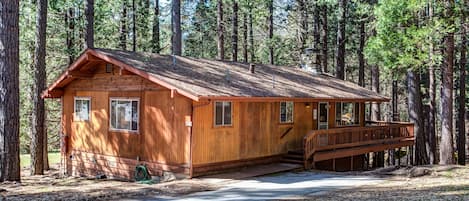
212 78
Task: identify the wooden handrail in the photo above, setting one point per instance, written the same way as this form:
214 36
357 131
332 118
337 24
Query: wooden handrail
349 137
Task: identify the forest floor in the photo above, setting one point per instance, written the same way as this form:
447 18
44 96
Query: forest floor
417 183
52 186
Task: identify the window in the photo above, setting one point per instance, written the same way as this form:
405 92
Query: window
223 113
286 112
124 114
347 113
82 109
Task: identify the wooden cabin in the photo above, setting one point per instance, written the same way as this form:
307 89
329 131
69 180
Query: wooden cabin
198 116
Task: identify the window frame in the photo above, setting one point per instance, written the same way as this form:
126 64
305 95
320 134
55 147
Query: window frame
292 112
131 99
222 114
81 98
353 113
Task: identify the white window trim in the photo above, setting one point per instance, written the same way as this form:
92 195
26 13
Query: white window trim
75 117
342 106
292 112
222 114
138 114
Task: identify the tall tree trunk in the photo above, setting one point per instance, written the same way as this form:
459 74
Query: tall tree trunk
89 13
446 144
251 35
432 96
395 101
143 16
134 27
176 38
220 25
302 26
70 24
234 35
38 110
9 91
123 28
361 57
245 37
395 118
156 48
45 152
324 38
378 157
462 92
316 25
416 116
271 31
340 62
375 107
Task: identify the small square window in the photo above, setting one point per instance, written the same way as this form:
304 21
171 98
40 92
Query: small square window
223 112
286 112
82 108
124 114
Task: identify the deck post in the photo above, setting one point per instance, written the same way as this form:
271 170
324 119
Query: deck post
333 164
399 157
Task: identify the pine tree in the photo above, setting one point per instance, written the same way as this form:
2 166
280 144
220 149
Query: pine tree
9 91
234 35
324 39
123 26
38 111
270 5
446 144
220 31
462 89
89 13
156 48
176 37
340 53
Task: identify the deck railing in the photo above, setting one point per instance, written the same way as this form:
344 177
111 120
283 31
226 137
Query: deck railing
374 133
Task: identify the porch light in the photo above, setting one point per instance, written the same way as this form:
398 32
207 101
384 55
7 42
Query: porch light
311 60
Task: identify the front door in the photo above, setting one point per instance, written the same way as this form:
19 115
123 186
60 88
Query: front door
323 120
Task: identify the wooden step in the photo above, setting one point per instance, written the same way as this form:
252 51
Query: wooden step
297 152
294 157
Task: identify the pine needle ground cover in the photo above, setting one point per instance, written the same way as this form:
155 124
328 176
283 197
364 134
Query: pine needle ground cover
422 183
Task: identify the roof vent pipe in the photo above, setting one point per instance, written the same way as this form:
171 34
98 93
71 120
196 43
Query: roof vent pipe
252 68
311 61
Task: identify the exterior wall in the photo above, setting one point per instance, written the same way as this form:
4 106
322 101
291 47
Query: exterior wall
256 132
162 142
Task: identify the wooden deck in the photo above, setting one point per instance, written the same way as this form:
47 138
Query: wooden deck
321 145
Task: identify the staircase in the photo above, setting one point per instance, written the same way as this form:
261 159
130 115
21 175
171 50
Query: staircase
294 157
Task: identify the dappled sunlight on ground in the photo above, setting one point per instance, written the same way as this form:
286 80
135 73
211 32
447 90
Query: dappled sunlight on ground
442 183
53 187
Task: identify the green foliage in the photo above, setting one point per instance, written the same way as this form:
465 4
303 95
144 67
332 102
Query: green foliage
403 37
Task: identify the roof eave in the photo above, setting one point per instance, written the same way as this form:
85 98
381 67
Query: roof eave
89 54
296 99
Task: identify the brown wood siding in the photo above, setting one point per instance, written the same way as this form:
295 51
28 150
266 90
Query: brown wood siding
162 138
255 132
